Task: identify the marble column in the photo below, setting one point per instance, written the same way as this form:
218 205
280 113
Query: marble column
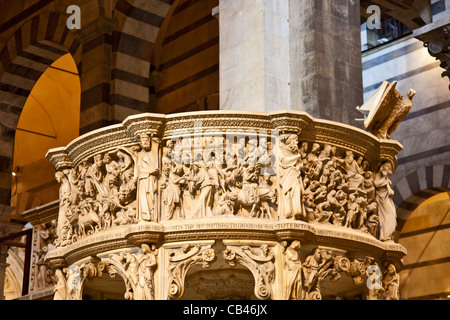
95 77
291 54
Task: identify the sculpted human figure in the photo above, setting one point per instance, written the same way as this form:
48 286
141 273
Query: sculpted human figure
147 265
386 206
200 180
64 201
171 193
311 267
293 266
304 151
290 180
250 190
352 210
268 195
391 283
354 172
314 162
97 174
147 172
60 288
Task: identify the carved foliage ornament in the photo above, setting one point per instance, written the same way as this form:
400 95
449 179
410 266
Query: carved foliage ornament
182 260
260 261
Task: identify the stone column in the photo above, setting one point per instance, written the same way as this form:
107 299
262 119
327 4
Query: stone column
291 54
96 110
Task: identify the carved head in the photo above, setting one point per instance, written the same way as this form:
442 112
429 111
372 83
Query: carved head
59 176
386 169
295 245
145 141
391 269
315 147
98 160
145 248
265 249
292 142
304 146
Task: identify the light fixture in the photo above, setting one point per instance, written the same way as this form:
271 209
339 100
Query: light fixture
14 174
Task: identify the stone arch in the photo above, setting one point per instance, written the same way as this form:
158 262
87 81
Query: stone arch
26 55
14 274
110 273
417 187
138 26
116 268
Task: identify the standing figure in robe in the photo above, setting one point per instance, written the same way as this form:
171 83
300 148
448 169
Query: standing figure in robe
291 183
147 172
386 206
293 272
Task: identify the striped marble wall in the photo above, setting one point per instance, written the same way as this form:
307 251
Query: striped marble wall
187 63
133 56
30 49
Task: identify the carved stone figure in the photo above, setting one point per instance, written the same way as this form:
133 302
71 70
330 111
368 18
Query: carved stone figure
320 265
65 193
386 206
391 284
172 200
353 171
60 288
147 265
200 180
290 179
147 170
268 196
311 267
386 109
293 265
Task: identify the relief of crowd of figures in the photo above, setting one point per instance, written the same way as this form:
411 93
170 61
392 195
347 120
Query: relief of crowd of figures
301 181
301 279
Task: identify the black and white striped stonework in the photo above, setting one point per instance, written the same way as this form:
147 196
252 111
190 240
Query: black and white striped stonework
32 47
417 187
